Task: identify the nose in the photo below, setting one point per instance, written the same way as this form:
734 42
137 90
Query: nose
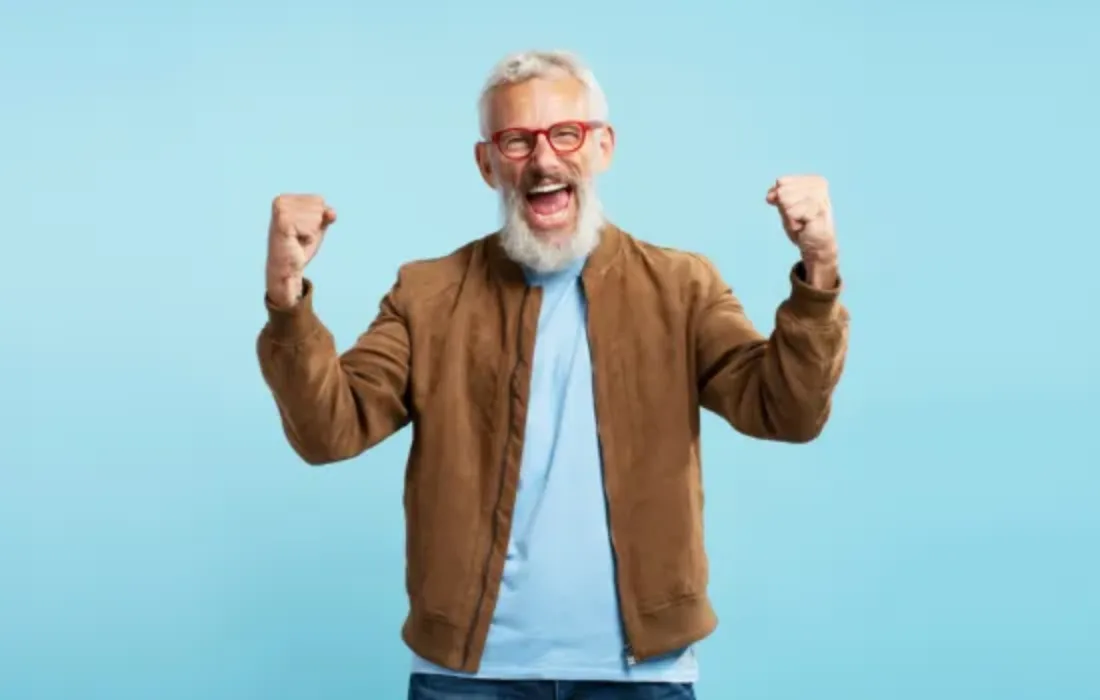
543 155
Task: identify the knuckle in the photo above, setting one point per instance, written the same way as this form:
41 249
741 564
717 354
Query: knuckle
295 201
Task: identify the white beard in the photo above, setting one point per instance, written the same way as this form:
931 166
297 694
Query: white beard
523 246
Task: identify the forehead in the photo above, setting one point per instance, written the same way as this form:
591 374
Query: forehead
538 102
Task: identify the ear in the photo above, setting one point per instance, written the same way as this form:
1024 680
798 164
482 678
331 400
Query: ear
605 145
484 165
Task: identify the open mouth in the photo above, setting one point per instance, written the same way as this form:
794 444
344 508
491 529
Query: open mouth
547 203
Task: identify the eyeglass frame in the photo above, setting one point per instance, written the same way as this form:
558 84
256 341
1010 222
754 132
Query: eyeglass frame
586 126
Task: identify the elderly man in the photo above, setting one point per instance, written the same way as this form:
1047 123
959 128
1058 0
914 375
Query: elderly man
553 373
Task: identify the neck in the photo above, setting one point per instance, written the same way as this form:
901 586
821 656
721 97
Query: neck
571 269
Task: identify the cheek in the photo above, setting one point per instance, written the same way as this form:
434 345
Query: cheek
508 174
581 169
588 160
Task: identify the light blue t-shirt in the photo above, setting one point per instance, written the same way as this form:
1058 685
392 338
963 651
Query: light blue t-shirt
557 616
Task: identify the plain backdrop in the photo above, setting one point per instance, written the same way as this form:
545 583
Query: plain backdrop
159 539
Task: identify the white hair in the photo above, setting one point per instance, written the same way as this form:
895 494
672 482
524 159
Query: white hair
527 65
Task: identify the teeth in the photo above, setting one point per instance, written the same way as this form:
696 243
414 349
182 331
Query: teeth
543 189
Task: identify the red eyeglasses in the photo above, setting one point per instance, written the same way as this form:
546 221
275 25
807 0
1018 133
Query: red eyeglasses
563 137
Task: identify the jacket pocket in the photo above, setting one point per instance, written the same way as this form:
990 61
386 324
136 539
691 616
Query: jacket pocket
666 535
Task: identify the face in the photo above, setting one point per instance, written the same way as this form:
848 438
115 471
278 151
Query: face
546 178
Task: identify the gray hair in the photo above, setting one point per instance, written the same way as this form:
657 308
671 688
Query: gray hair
524 66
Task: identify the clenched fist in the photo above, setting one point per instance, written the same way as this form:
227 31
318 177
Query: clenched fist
807 215
298 223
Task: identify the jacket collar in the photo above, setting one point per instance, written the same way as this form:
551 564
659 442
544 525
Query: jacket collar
599 261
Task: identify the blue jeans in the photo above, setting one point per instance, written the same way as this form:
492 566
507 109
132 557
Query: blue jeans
424 686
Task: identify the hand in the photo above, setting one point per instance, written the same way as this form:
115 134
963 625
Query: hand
298 223
807 214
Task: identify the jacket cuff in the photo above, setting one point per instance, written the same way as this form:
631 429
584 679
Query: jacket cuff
810 302
290 326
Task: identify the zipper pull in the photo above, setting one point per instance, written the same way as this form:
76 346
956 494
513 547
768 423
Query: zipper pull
630 660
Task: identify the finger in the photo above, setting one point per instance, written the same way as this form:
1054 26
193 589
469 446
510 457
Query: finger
791 189
790 180
306 236
801 181
328 217
794 227
791 223
284 230
802 209
792 193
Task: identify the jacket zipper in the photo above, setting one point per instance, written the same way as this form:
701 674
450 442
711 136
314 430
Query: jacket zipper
628 651
500 486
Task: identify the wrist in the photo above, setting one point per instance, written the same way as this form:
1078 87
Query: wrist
822 274
284 292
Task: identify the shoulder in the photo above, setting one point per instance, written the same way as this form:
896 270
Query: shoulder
422 280
689 272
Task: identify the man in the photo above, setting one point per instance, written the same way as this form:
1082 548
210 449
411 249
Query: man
553 373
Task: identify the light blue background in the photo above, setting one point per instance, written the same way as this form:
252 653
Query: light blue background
158 539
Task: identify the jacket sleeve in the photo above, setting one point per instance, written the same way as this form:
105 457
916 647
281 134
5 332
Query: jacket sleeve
776 388
335 407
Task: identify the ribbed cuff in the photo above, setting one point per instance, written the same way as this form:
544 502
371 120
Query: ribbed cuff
289 326
808 301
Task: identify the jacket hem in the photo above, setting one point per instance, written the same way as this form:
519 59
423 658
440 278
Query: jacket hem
435 639
672 627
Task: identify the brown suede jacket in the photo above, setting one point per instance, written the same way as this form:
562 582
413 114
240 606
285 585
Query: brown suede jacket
450 351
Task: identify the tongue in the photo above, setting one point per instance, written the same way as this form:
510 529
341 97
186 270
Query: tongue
550 202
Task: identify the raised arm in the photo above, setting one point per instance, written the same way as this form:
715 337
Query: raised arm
333 407
776 388
779 388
